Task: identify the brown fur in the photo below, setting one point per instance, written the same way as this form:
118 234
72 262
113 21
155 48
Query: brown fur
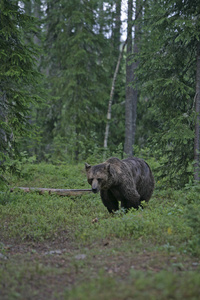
129 181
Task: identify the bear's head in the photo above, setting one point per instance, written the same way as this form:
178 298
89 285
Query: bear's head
99 176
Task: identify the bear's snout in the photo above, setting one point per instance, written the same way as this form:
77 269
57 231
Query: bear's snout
95 190
95 186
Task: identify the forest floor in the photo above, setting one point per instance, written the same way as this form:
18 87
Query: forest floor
51 270
55 247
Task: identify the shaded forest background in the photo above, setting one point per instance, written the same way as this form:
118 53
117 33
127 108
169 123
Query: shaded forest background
58 59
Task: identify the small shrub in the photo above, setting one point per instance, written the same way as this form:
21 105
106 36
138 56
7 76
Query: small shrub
193 219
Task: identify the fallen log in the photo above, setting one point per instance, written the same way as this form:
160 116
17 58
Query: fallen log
60 192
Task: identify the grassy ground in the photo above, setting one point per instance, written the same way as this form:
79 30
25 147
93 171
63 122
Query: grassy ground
54 247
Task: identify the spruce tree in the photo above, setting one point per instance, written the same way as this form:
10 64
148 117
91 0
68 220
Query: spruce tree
18 75
76 64
167 75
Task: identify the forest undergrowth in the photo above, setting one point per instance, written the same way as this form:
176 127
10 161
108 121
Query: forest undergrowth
71 248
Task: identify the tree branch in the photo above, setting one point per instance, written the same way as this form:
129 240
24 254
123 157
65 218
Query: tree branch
60 192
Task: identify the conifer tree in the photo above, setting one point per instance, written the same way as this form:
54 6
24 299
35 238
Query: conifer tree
76 62
18 74
167 79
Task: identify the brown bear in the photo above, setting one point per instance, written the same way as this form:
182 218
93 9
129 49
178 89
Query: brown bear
129 181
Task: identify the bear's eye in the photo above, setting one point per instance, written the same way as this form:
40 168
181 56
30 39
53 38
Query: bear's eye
90 180
99 179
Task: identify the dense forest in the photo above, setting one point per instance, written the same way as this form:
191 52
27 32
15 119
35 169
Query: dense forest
100 78
82 81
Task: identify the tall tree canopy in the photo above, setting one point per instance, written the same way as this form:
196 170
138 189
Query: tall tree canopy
80 42
76 65
81 45
167 78
18 73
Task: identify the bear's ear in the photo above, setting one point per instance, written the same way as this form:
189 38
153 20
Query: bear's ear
87 166
110 169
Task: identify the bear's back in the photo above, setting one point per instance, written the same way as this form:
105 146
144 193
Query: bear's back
142 175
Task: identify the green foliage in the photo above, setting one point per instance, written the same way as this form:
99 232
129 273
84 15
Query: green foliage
77 79
78 60
79 50
166 81
192 215
162 221
79 42
86 251
142 285
174 149
193 218
18 77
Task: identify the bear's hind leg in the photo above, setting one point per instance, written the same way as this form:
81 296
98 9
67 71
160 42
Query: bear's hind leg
127 205
110 202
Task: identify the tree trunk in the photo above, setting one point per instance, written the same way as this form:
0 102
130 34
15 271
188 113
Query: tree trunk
60 192
117 28
37 15
197 123
3 115
117 55
101 18
131 92
111 97
128 104
138 14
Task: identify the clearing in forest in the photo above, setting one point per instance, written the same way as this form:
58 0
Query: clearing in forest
70 247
